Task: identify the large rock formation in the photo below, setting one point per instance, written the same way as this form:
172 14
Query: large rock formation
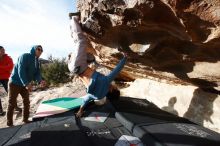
173 40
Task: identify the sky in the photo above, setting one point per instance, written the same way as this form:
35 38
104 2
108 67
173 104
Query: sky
25 23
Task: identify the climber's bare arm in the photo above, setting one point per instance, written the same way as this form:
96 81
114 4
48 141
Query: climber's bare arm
80 112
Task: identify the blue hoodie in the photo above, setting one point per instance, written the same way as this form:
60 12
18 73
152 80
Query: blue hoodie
99 84
26 69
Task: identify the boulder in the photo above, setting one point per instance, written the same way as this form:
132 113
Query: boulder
177 41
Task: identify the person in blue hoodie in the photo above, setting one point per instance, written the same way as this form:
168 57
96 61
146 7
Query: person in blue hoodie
98 85
24 72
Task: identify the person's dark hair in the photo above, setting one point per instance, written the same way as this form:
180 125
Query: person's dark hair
114 94
1 47
39 46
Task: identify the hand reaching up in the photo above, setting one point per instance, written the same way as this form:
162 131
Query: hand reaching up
124 54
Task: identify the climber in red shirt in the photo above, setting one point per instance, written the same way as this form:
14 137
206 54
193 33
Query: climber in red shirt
6 66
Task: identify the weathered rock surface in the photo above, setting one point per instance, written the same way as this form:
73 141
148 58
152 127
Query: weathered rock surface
163 39
173 40
183 100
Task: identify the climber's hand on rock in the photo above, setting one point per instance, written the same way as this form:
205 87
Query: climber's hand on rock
125 54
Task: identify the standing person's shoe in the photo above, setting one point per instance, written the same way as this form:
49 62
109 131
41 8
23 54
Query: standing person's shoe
9 124
27 121
18 109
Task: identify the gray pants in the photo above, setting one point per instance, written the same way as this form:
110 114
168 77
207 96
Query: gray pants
78 60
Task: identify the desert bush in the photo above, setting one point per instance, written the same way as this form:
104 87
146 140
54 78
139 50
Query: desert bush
55 72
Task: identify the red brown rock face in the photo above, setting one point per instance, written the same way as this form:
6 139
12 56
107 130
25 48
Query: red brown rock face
176 40
199 16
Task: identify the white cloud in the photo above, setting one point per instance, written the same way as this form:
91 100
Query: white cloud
31 22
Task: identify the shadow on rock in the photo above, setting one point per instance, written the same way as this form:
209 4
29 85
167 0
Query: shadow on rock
201 107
